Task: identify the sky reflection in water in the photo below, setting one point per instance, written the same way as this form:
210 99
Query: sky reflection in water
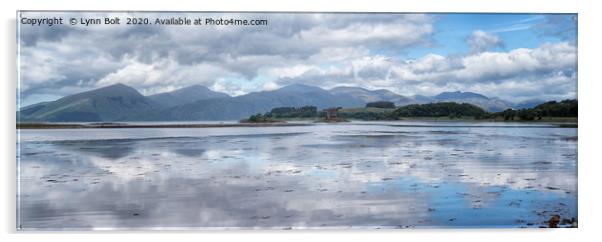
334 176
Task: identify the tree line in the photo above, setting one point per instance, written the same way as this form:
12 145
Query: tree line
383 110
564 108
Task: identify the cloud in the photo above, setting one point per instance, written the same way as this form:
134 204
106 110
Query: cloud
325 50
496 66
548 71
395 34
96 55
480 41
162 75
562 26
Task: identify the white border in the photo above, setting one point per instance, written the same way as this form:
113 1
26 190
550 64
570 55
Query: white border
589 118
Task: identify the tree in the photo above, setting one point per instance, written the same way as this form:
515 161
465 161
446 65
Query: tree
564 108
380 104
292 112
255 118
509 114
443 109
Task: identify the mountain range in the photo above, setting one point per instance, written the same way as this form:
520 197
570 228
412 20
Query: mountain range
119 102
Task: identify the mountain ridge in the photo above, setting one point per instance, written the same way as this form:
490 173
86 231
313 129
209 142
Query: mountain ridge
114 103
185 95
120 102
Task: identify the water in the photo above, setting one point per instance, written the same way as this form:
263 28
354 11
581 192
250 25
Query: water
352 175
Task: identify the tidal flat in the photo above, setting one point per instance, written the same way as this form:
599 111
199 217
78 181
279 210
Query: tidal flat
345 175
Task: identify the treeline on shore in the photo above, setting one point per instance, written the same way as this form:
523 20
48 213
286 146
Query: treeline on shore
383 110
564 108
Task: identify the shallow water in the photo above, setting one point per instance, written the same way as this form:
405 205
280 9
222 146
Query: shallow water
353 175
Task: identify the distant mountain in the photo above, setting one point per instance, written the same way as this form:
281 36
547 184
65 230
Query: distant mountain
113 103
367 96
185 95
531 103
299 89
421 99
123 103
458 95
489 104
234 108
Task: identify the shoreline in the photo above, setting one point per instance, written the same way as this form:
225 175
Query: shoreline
563 123
122 125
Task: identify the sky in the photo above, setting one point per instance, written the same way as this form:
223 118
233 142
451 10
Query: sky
516 57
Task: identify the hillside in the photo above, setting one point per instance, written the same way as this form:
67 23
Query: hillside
123 103
367 96
185 95
235 108
112 103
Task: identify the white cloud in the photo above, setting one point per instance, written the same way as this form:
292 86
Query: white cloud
480 41
162 75
325 50
498 74
490 66
398 34
292 71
